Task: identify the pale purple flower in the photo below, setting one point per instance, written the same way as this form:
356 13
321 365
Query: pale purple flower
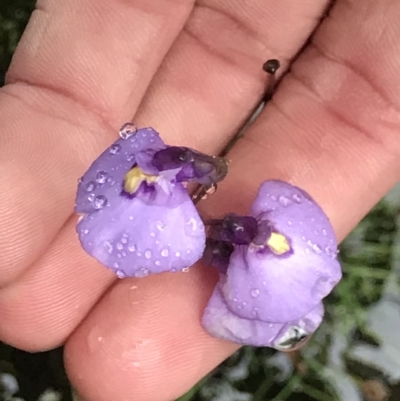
138 218
282 263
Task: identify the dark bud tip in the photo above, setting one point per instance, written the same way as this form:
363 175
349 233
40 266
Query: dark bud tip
271 66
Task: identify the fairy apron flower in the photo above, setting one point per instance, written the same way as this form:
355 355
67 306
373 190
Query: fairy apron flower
276 266
137 217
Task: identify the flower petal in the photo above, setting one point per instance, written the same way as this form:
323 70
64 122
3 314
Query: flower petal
105 176
133 238
221 322
284 287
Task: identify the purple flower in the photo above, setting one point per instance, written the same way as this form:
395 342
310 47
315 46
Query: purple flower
138 218
281 264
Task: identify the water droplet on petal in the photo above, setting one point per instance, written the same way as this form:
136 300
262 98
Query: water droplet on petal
160 225
130 157
177 254
164 252
147 254
296 198
283 200
99 202
255 293
115 148
273 197
289 223
157 263
324 232
124 240
127 130
101 177
120 273
91 197
90 186
119 246
132 248
152 235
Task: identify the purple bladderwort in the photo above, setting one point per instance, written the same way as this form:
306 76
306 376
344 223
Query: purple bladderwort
138 218
276 265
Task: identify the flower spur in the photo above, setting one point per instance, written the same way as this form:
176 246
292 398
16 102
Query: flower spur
138 218
276 265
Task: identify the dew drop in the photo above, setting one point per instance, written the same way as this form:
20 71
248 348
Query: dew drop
101 177
120 246
127 130
121 274
283 200
255 293
115 148
296 198
164 253
90 186
147 254
99 202
160 225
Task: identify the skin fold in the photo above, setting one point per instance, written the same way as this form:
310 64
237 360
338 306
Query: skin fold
193 72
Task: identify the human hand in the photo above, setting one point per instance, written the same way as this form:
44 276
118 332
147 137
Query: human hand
193 73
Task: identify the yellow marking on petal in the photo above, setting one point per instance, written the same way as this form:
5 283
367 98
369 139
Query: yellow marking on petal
134 177
278 244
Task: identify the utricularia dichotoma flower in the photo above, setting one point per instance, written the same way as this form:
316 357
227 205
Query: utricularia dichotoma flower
275 266
137 217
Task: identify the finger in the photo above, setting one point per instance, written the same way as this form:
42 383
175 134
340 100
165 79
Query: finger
50 299
212 77
58 328
80 71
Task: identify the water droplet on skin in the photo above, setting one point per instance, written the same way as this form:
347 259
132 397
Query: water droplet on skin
185 269
99 202
157 263
283 200
101 177
90 186
255 293
91 197
127 130
132 248
296 198
147 254
115 149
119 246
164 253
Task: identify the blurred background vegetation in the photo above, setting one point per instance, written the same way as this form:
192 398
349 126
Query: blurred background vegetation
354 356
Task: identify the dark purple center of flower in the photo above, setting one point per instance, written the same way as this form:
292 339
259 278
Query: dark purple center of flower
195 166
238 230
